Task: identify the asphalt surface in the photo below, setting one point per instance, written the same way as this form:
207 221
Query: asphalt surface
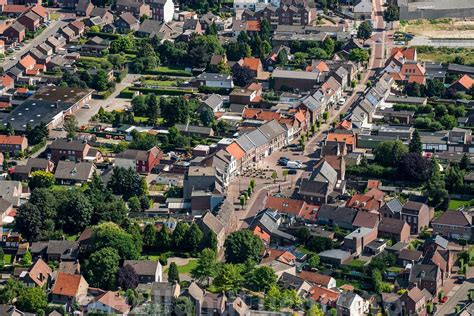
49 31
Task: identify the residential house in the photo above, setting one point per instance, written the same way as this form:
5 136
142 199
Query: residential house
136 8
391 209
38 275
291 14
351 304
370 201
318 279
325 298
110 303
164 294
104 13
127 22
363 10
395 229
84 8
417 215
426 276
148 271
454 225
215 80
30 20
333 215
55 250
366 219
356 241
252 93
70 172
463 84
214 102
162 10
251 63
143 161
23 172
295 80
208 224
15 33
68 288
315 105
342 136
206 303
409 256
195 130
291 207
11 191
153 28
13 145
268 222
413 302
321 185
292 282
6 208
74 150
332 90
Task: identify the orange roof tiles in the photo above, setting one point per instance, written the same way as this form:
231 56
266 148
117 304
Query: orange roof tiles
341 138
15 8
115 301
285 205
324 296
322 67
344 125
286 257
252 63
260 233
376 194
254 86
28 62
40 272
66 284
253 26
6 80
259 114
315 278
31 72
466 81
408 53
12 140
373 184
299 116
236 151
22 90
40 10
5 105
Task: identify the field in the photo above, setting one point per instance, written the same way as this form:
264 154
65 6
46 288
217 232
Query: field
185 269
439 28
445 54
455 204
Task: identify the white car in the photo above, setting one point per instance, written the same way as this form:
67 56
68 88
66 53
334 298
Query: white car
87 106
341 101
13 58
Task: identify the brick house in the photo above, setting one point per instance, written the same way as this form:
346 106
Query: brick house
413 302
137 8
417 215
68 288
162 10
15 33
13 144
76 150
356 241
30 20
148 271
296 80
463 84
84 8
252 63
127 22
141 160
393 228
454 225
39 274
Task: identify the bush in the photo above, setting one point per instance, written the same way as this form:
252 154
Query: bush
169 72
103 35
161 91
210 90
126 93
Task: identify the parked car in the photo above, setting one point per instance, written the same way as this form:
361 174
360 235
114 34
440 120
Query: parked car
293 165
292 171
444 299
341 101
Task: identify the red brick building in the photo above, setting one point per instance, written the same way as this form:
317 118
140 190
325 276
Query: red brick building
141 160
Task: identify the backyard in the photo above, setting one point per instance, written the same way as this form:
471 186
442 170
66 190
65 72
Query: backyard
445 54
456 204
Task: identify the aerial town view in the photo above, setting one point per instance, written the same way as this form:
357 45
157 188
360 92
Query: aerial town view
237 157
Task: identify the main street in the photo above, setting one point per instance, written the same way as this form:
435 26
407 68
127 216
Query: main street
257 201
49 31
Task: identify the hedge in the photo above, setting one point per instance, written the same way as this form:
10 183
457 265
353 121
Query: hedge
169 72
128 92
210 90
103 35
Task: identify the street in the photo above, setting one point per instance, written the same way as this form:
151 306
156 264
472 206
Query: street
457 296
49 31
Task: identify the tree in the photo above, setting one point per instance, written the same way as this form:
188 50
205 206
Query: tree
242 76
127 277
242 245
206 116
358 54
262 278
41 179
285 174
75 211
70 126
134 204
2 258
209 241
121 44
389 153
183 306
229 278
153 110
454 179
236 51
173 273
163 239
465 163
126 182
242 200
100 81
364 31
392 13
179 235
193 237
32 300
111 235
313 261
175 110
102 267
27 258
436 192
274 176
10 291
149 235
415 145
206 266
314 310
415 167
272 300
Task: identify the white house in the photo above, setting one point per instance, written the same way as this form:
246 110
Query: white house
352 304
363 10
109 303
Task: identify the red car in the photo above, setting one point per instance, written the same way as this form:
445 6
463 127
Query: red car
444 299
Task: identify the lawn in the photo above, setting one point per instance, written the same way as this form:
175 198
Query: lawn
186 269
54 16
455 204
356 263
445 54
7 259
160 83
140 119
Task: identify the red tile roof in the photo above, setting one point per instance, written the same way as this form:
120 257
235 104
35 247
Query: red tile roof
236 151
5 105
373 184
466 81
324 296
260 114
12 140
40 272
14 8
6 80
260 233
115 301
408 53
253 26
344 125
66 284
40 10
252 63
366 219
341 138
315 278
28 62
285 205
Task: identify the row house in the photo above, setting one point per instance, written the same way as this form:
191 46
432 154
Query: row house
137 8
143 161
283 15
13 145
454 225
162 10
75 150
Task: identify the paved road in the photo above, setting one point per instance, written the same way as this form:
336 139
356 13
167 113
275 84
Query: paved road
50 30
442 42
458 297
